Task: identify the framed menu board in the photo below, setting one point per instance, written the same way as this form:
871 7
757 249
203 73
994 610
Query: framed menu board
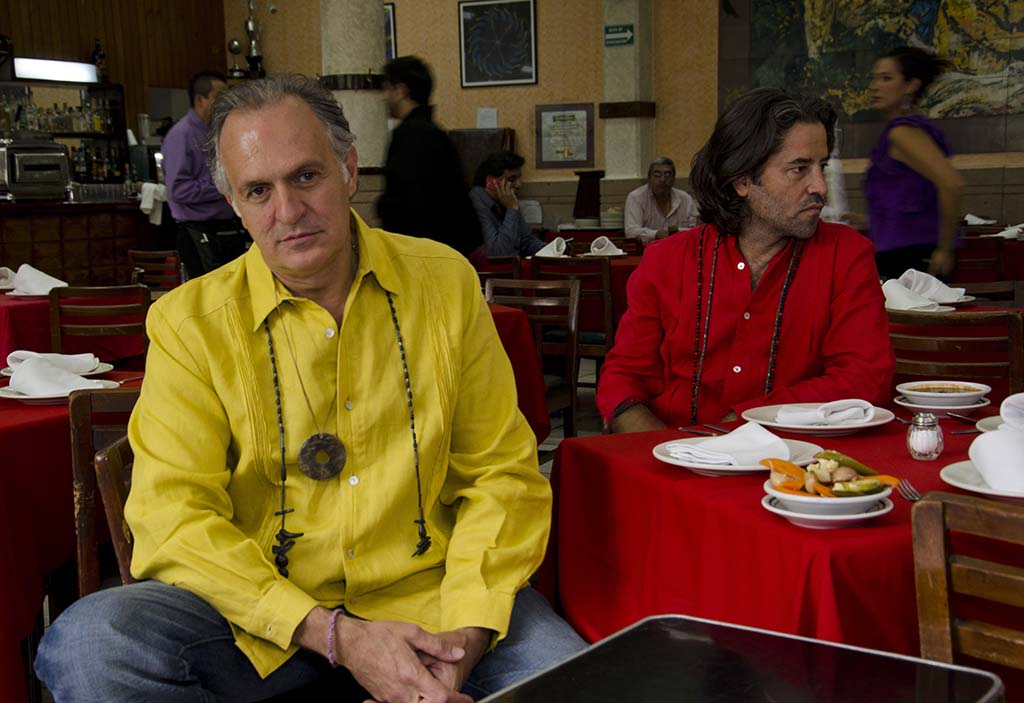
565 135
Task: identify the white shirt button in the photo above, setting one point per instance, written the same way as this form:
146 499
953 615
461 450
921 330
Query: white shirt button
348 404
746 316
351 554
735 369
329 332
741 266
353 480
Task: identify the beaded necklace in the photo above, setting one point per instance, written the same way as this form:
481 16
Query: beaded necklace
286 539
700 341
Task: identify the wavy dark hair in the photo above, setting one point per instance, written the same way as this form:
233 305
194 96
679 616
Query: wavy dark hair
747 134
918 63
496 164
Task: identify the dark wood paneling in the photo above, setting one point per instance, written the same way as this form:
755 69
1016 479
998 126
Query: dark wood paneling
147 42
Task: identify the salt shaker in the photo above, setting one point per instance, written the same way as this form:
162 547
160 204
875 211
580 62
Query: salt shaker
924 437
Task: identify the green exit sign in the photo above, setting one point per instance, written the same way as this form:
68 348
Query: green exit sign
618 34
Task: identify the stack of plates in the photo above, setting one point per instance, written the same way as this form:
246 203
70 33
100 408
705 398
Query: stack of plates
584 222
613 219
820 513
940 397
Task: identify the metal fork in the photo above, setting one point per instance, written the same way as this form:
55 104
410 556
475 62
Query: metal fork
907 490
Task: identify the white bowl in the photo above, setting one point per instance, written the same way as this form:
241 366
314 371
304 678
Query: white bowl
943 393
819 505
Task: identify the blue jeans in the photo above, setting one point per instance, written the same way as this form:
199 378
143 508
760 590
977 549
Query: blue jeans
153 642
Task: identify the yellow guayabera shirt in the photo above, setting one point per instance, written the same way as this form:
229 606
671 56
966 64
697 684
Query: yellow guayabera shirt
206 482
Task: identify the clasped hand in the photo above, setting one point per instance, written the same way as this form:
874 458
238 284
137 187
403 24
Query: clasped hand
402 663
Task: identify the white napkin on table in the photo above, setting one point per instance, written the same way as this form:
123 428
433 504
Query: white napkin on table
75 363
6 277
930 287
31 281
851 411
897 297
1012 412
151 203
40 377
1014 232
744 446
602 246
970 219
556 247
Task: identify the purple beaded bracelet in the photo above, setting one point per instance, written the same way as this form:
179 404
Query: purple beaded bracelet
330 637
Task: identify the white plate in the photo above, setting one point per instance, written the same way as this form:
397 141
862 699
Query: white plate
962 300
940 308
29 296
608 256
826 522
765 416
915 392
820 505
10 394
103 367
940 410
989 424
800 453
963 475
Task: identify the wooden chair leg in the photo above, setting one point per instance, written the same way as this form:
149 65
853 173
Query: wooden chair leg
569 422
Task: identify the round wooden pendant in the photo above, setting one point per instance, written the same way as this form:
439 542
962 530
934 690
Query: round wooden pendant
322 456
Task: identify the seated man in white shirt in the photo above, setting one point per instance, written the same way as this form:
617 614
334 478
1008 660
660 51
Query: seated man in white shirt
657 209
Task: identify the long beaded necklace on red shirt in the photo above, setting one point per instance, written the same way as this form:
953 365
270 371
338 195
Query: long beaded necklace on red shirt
700 341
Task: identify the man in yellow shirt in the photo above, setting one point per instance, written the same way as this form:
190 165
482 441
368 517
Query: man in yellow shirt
331 469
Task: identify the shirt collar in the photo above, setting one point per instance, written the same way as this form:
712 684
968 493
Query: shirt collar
374 258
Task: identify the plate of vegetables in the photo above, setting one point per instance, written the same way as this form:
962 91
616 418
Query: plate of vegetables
834 484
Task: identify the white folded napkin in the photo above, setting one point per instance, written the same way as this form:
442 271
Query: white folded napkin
930 287
999 458
153 195
851 411
1014 232
744 446
31 281
897 297
6 277
970 219
40 377
75 363
556 247
602 246
1012 412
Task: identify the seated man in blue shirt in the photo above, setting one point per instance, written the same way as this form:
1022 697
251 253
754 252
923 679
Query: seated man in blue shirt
495 197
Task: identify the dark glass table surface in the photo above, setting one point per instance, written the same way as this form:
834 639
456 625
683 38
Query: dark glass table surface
680 659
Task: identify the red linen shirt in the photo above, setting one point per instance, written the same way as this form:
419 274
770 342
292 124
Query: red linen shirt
833 344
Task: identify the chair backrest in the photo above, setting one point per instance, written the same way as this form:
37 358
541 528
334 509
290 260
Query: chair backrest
981 259
923 349
939 572
595 276
1011 293
160 271
500 267
114 477
97 311
98 418
630 245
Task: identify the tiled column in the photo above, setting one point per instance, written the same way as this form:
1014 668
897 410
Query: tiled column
629 141
352 37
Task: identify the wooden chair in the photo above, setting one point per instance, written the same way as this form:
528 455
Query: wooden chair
596 326
939 572
630 245
924 351
114 476
500 267
160 271
1005 293
98 418
90 317
981 259
550 306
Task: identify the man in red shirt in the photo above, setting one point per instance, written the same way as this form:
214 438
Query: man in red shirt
764 304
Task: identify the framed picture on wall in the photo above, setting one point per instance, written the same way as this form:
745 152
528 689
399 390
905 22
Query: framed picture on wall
390 33
565 135
497 42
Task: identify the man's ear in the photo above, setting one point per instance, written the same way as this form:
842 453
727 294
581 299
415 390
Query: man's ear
742 186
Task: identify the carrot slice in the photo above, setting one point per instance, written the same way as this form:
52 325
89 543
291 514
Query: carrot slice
887 480
783 489
786 467
823 490
791 485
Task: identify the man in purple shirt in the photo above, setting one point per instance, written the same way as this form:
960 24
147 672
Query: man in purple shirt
209 234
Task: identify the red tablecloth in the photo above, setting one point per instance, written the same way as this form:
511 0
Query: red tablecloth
25 324
514 330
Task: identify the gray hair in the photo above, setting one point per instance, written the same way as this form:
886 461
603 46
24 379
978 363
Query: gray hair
661 161
253 95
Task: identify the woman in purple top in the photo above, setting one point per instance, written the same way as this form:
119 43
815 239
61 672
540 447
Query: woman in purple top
913 190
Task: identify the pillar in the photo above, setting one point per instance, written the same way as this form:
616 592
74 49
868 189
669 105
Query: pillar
628 77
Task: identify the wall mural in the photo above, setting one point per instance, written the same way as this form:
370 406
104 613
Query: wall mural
826 47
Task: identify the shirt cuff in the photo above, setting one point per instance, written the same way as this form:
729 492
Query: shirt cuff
279 613
489 609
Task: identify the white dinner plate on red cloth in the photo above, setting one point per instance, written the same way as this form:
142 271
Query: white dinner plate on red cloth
962 300
102 367
963 474
800 453
940 410
989 424
826 522
765 416
27 296
59 399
